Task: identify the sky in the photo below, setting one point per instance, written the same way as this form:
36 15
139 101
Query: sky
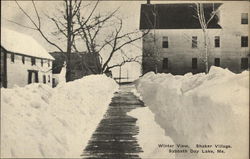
129 11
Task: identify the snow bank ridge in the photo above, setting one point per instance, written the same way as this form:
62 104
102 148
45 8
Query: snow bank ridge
208 108
38 121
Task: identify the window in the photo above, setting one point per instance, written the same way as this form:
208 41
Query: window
194 63
244 63
12 57
48 63
23 59
244 41
217 62
194 41
165 42
165 63
44 79
33 61
216 41
244 18
48 78
42 62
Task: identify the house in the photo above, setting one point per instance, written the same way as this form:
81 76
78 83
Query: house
82 64
23 60
175 42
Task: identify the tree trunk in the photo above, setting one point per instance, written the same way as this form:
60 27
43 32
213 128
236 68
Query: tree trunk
69 43
206 52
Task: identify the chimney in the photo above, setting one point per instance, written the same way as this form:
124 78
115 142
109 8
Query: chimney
148 1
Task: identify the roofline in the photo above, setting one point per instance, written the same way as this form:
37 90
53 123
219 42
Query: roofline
27 55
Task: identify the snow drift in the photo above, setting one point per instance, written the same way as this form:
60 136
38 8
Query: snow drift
208 108
38 121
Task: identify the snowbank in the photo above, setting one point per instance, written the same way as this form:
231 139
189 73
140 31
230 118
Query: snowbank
151 135
201 109
38 121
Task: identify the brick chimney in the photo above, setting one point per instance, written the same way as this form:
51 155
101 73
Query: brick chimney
148 1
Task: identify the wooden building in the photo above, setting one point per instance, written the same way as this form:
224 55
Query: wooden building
82 64
23 60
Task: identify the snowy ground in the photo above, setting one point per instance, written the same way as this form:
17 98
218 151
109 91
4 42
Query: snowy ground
198 109
38 121
151 135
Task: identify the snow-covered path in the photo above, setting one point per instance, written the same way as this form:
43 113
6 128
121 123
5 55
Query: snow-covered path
115 136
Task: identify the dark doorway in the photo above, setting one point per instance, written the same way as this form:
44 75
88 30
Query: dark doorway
32 76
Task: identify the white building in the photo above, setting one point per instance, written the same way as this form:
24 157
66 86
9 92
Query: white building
175 43
23 60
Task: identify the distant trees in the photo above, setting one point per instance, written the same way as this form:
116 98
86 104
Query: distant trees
81 29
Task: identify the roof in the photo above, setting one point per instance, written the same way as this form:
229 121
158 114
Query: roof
176 16
16 42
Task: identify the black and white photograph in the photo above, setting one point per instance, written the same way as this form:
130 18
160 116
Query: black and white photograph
124 79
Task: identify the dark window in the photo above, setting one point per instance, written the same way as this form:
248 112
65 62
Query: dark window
44 79
48 78
217 62
23 59
244 41
244 63
53 82
194 63
165 63
216 41
165 42
48 63
12 57
244 18
33 61
194 41
42 62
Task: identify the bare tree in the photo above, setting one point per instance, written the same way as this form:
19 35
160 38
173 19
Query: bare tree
74 26
204 22
115 41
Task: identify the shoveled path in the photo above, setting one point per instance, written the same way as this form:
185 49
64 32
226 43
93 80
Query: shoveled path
114 137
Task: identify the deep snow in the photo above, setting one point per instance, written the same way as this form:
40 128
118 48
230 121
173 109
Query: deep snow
208 108
38 121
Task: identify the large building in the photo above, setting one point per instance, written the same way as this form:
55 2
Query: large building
23 60
175 42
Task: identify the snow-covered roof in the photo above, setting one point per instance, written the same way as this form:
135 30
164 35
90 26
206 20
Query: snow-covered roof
23 44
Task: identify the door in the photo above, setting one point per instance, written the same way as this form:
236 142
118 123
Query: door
32 76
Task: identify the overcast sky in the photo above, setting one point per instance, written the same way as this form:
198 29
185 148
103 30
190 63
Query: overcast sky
128 10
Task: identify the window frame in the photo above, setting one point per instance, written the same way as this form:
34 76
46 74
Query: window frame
165 63
12 57
244 66
244 42
217 60
44 79
217 41
194 65
33 61
244 18
165 42
194 42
